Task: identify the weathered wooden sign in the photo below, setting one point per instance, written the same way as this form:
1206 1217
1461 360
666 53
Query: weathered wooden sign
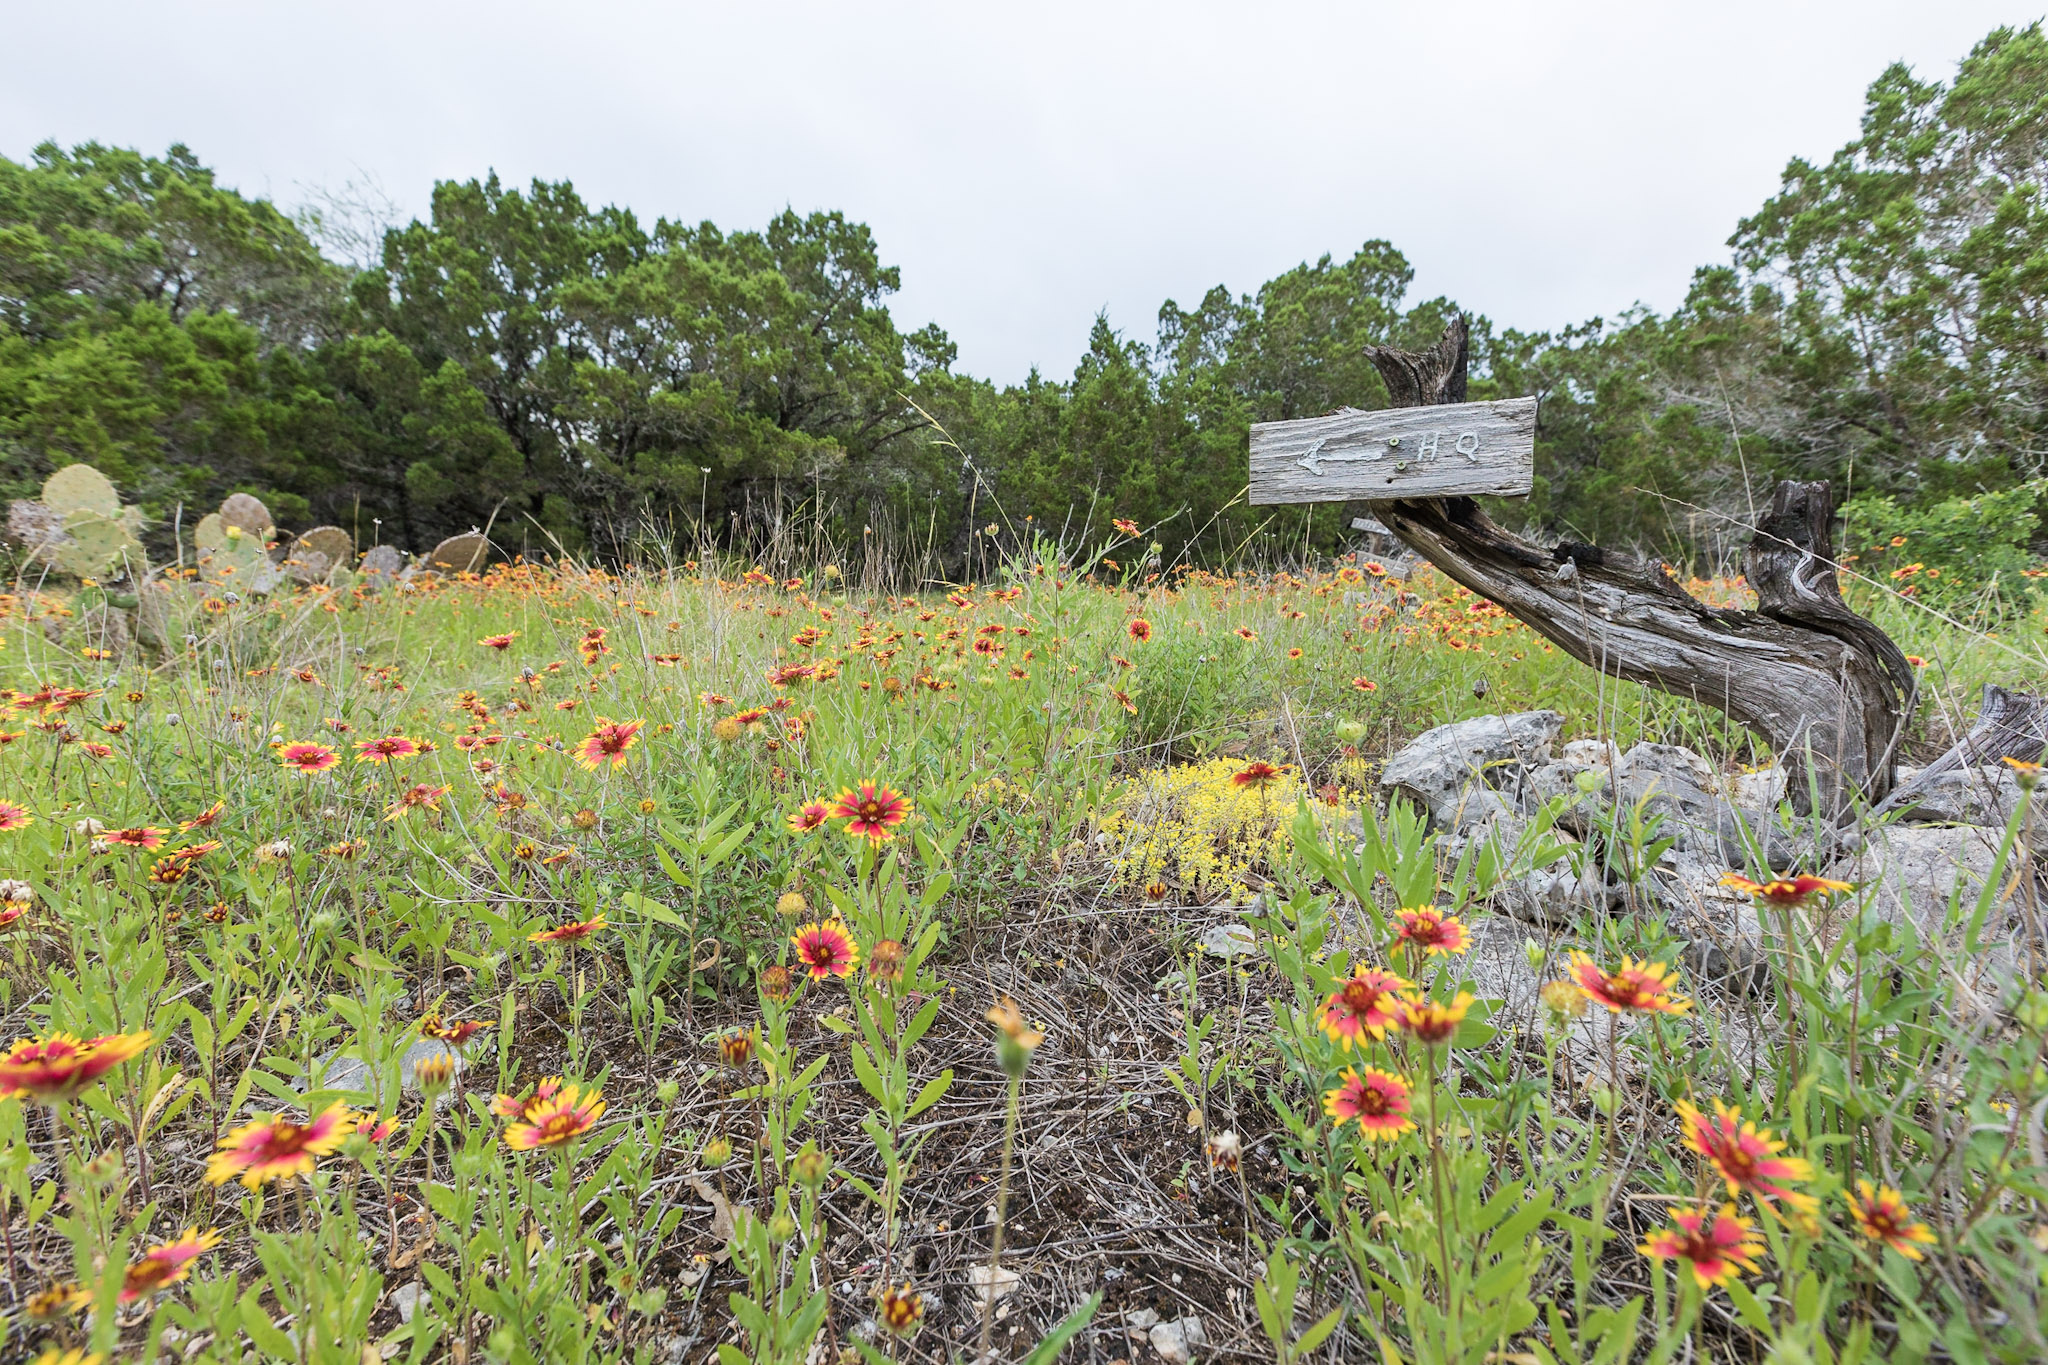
1426 452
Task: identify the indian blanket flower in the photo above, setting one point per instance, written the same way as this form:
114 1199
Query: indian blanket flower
562 1117
167 1263
1432 931
454 1033
1715 1250
277 1148
1744 1155
515 1106
572 933
736 1048
141 837
1640 986
1367 1004
13 816
1432 1021
826 949
1256 775
1881 1215
501 643
419 796
374 1128
60 1067
609 743
1016 1040
1365 684
308 757
1784 891
386 749
871 810
1139 629
204 820
900 1310
1377 1101
809 816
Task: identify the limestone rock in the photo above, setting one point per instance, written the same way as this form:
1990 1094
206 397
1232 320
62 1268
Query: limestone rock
1723 935
1229 940
382 564
1678 784
1443 768
1756 794
1987 796
1931 877
1179 1341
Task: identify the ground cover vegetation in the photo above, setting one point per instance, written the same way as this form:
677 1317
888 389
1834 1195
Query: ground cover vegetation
550 964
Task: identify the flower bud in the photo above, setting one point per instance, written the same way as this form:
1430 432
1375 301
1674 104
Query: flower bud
433 1072
1015 1040
811 1166
716 1152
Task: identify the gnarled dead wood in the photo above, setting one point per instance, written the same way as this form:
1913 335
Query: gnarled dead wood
2009 725
1810 676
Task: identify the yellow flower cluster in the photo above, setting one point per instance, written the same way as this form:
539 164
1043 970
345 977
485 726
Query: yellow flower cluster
1194 827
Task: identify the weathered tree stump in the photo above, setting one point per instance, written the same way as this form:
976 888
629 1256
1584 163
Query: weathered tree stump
1826 689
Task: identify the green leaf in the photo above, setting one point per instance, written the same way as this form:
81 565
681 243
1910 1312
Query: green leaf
1048 1350
930 1094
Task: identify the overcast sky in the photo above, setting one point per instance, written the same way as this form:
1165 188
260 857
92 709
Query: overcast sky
1029 165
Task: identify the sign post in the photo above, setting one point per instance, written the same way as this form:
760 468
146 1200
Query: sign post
1397 453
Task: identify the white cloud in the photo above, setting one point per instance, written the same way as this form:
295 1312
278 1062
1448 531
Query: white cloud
1029 164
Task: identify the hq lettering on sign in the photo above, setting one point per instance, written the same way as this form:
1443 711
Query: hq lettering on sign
1424 452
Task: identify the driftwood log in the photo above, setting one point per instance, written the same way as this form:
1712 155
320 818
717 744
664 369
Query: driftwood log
1826 689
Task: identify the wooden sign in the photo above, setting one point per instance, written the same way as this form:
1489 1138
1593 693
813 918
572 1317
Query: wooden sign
1427 452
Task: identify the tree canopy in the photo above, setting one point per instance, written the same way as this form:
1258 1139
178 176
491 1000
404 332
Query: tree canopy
583 381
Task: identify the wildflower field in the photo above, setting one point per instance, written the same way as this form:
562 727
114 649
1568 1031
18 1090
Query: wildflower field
550 965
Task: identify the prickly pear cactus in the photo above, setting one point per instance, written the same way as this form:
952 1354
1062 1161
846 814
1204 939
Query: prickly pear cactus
459 554
81 488
97 546
249 515
234 545
99 534
319 553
